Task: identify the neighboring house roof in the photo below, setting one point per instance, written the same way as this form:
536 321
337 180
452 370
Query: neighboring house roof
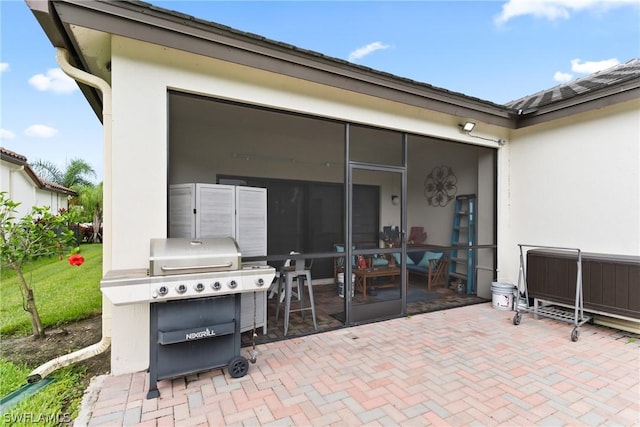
20 160
49 185
61 20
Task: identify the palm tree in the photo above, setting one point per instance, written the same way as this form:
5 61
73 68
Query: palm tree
90 198
75 175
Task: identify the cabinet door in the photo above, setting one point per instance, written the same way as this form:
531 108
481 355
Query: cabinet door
182 217
215 211
251 221
248 310
251 235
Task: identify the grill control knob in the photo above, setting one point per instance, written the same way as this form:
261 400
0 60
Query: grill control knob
260 282
216 286
163 290
181 289
199 287
233 284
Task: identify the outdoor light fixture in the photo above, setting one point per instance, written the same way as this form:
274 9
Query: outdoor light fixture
467 126
395 200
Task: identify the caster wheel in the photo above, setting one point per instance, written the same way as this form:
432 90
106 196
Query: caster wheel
575 334
517 318
238 367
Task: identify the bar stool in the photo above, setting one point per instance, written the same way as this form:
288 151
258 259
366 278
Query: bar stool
287 275
275 285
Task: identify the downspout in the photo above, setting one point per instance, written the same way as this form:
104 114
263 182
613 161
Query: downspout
62 56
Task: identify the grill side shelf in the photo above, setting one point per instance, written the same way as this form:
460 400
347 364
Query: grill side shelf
194 334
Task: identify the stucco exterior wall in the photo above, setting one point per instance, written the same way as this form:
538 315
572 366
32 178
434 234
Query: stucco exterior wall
573 182
18 186
141 75
55 201
21 189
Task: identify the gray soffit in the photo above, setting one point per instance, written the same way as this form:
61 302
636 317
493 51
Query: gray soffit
145 22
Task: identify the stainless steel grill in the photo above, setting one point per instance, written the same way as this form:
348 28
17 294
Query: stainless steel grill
182 256
193 287
185 268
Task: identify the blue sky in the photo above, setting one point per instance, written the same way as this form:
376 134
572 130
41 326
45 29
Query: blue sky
494 50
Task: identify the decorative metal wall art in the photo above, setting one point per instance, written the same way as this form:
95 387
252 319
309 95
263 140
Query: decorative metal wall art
440 186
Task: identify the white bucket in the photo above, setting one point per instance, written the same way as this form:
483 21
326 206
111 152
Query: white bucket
503 295
341 284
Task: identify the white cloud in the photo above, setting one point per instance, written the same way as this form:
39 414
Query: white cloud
40 131
555 9
4 66
591 67
366 50
6 134
588 67
561 77
55 80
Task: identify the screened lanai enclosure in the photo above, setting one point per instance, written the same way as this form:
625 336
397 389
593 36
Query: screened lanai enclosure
338 191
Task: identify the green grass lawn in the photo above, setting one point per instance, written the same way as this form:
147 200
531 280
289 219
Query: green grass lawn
54 405
63 293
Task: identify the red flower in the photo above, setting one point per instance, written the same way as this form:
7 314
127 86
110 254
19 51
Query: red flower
76 259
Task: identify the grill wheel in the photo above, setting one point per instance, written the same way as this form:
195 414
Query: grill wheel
238 367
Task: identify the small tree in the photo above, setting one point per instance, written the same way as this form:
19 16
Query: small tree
39 233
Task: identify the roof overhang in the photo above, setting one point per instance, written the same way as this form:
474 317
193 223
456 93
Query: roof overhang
84 28
587 102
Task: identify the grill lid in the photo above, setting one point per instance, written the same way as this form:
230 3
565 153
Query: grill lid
181 256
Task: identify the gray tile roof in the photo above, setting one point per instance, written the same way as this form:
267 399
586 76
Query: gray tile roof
319 56
134 18
591 83
618 74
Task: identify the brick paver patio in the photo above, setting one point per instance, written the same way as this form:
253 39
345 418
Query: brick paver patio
464 366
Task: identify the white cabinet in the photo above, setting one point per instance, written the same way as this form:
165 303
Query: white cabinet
202 211
251 220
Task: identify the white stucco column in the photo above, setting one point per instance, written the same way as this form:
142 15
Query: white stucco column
507 268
